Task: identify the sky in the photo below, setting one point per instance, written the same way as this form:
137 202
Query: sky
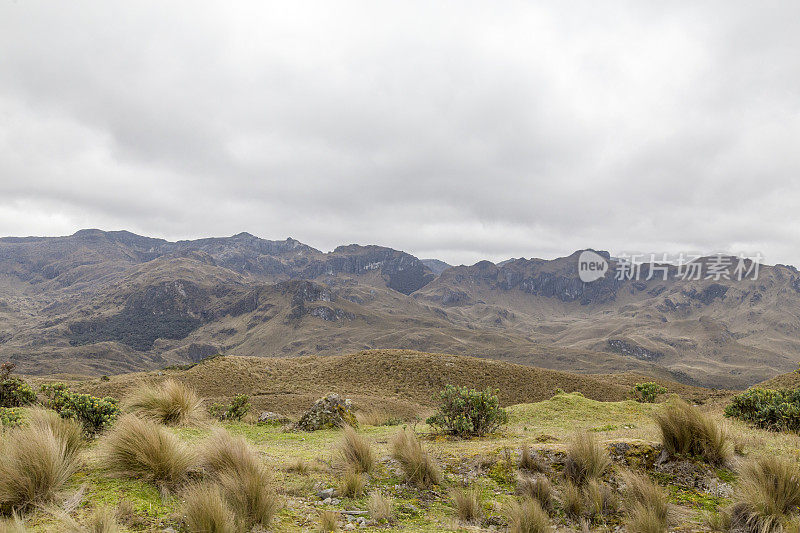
456 130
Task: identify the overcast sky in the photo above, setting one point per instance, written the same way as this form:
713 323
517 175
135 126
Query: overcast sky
457 130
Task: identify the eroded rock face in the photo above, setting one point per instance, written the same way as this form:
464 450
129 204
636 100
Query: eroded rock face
332 411
633 350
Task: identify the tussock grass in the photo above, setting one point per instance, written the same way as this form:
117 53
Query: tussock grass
205 509
171 403
102 520
244 479
572 500
328 521
138 448
537 488
685 430
70 432
600 500
34 464
767 495
531 462
528 516
298 466
380 507
352 484
356 451
418 467
467 504
12 525
646 505
586 459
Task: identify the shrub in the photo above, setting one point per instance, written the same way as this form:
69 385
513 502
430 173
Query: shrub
139 448
528 517
585 460
530 461
467 412
14 391
768 494
171 403
352 484
95 414
34 464
647 392
645 504
244 479
67 431
537 488
206 509
777 410
685 430
417 465
356 451
467 504
10 417
234 411
380 506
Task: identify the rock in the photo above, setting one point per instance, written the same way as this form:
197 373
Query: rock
325 494
268 417
329 412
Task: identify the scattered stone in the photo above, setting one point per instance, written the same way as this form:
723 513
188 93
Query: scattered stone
271 418
329 412
325 494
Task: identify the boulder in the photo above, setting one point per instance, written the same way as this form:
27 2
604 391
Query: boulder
332 411
268 417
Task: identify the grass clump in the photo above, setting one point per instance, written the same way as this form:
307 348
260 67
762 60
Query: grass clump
586 459
236 467
171 403
102 520
528 516
69 431
380 507
12 525
768 495
646 506
572 500
531 462
328 521
467 504
34 463
685 430
143 449
418 467
206 509
600 500
356 451
537 488
352 484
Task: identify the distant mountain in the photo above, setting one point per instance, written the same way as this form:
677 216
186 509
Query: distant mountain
100 302
436 266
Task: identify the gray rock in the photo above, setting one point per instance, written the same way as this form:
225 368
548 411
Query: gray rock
329 412
268 417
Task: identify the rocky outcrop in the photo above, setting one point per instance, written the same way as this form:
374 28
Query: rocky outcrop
628 348
332 411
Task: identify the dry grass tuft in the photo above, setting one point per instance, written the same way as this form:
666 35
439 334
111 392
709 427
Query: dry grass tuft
34 464
528 517
298 466
328 521
572 500
102 520
531 462
417 465
586 459
68 431
768 495
143 449
537 488
646 505
352 484
206 509
356 451
12 525
467 504
685 430
171 403
380 507
600 500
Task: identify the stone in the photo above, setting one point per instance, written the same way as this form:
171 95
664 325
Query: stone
325 494
329 412
269 417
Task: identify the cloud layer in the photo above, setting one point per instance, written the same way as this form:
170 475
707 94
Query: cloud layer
458 130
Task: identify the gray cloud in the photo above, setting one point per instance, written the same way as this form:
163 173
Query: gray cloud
460 130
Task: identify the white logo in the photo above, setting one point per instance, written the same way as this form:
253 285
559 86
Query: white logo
591 266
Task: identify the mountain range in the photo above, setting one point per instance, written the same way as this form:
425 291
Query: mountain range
104 302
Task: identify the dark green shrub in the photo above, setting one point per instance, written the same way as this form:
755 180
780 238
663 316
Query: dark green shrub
647 392
96 414
468 412
10 417
777 410
14 391
236 410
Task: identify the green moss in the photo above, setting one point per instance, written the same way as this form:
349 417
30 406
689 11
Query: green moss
695 499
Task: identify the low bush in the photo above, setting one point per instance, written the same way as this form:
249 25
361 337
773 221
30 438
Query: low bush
647 392
767 495
685 430
95 414
356 451
528 517
139 448
468 412
171 403
777 410
585 460
14 391
418 467
10 417
234 411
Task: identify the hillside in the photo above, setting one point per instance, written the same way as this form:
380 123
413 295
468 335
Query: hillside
101 302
